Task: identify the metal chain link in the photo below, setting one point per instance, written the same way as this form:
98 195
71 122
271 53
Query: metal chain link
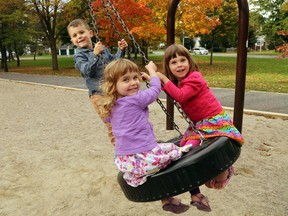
95 29
126 29
110 18
188 120
175 126
114 26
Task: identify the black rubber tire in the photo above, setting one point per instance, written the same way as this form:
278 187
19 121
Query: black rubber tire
192 170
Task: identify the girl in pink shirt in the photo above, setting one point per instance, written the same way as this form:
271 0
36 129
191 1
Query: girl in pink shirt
187 86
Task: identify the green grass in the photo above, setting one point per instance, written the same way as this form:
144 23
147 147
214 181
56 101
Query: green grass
262 74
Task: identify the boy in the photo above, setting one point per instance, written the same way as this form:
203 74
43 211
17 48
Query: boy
90 61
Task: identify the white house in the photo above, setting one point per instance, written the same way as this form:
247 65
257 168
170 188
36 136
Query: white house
66 50
260 43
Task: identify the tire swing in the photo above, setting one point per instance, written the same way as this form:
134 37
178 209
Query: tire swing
193 169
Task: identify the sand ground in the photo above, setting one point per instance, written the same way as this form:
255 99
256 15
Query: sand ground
56 160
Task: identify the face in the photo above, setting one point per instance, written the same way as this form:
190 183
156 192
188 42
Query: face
179 66
128 85
80 36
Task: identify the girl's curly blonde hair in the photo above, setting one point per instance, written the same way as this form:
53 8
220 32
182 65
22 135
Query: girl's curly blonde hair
112 73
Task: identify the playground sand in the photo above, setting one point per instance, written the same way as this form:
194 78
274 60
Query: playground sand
56 160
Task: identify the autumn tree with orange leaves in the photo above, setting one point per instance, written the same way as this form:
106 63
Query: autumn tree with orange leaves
283 49
284 33
135 15
146 19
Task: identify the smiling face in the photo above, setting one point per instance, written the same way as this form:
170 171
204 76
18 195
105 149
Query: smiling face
80 36
179 67
128 84
176 54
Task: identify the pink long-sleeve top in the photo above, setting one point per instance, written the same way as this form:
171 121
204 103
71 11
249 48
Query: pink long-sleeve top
195 97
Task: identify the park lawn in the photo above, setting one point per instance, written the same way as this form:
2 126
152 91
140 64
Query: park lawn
262 74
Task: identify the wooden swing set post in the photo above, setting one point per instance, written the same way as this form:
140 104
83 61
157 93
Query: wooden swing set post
171 40
243 20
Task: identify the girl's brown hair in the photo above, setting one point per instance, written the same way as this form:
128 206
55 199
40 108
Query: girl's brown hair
171 52
112 73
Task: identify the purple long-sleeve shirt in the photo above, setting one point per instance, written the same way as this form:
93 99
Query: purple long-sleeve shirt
129 119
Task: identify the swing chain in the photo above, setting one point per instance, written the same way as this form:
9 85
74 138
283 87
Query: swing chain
187 119
110 18
175 126
114 26
181 111
126 29
95 29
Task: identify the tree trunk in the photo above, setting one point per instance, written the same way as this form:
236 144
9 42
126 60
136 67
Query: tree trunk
3 50
16 53
54 52
135 53
145 50
4 64
212 48
129 52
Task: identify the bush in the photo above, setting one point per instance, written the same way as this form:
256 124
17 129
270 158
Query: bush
219 49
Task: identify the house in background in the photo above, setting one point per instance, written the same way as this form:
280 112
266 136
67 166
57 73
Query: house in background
66 50
260 43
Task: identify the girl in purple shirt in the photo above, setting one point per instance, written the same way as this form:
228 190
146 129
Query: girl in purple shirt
192 92
137 153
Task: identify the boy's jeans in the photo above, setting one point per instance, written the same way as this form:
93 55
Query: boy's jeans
97 102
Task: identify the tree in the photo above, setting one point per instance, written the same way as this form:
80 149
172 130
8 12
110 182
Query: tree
255 28
3 47
134 14
13 17
37 41
54 16
193 17
147 19
225 34
129 15
274 20
284 47
284 33
48 12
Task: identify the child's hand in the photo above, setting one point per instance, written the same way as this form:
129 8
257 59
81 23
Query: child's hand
151 67
162 77
144 76
122 44
98 48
